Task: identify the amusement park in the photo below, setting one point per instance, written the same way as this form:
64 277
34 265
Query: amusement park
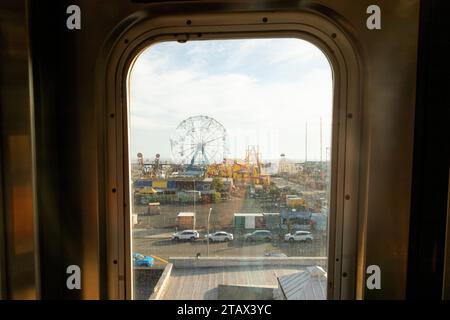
229 171
201 189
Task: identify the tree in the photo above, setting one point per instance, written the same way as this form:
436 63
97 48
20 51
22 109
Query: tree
217 184
216 197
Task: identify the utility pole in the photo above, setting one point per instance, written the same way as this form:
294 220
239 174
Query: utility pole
321 146
306 142
195 196
327 165
207 233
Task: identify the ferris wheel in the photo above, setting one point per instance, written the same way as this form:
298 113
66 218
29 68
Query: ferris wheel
199 140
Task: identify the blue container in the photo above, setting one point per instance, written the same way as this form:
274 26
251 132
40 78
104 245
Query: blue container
143 183
288 213
171 184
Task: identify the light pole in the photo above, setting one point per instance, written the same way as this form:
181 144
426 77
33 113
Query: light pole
327 165
306 143
207 233
195 196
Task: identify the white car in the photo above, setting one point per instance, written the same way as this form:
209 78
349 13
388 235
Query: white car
276 255
299 236
220 236
191 235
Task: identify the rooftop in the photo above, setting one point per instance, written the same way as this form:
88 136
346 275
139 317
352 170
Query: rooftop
248 215
262 278
186 214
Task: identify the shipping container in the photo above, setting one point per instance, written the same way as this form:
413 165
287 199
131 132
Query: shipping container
171 184
239 221
249 221
289 213
260 222
160 184
273 220
143 184
295 202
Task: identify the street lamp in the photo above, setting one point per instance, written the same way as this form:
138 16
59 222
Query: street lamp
327 155
207 233
195 196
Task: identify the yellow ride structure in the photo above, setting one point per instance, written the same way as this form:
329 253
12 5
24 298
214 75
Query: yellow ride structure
247 172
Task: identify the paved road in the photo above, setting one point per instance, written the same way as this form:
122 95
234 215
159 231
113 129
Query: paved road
166 248
154 239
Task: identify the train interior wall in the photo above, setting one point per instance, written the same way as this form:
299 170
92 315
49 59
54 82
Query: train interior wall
52 207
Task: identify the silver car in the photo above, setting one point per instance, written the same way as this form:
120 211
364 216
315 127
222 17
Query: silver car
191 235
299 236
220 236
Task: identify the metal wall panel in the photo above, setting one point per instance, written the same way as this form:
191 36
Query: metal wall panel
17 228
69 133
429 199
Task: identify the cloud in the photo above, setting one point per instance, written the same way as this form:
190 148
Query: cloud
262 91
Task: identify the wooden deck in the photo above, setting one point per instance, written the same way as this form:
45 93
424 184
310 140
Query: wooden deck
202 283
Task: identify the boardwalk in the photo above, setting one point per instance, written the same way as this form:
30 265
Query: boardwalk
202 283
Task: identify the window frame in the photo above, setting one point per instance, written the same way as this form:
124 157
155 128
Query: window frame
142 30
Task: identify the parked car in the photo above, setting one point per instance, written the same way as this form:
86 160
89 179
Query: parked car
259 235
139 260
220 236
299 236
191 235
276 255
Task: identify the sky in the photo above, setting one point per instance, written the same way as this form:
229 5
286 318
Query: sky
262 91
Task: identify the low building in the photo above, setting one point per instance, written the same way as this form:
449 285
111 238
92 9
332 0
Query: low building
154 209
273 220
320 221
186 220
249 221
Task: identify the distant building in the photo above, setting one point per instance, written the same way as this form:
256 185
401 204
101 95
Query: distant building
186 220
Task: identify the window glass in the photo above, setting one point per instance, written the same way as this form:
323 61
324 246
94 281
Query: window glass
231 138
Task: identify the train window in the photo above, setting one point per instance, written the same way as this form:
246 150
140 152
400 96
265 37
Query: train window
230 165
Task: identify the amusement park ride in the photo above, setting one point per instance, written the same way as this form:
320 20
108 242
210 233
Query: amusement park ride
199 145
199 140
248 171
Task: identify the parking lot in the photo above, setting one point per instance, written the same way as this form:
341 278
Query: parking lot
154 236
158 244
